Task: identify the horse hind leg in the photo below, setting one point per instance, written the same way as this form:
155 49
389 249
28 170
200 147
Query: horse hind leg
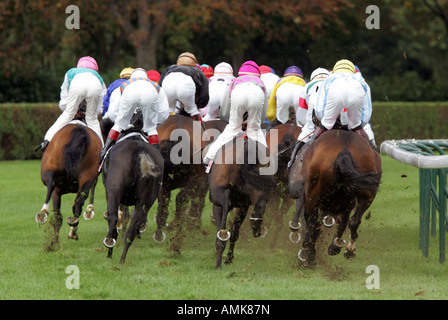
137 219
338 243
89 213
220 213
42 216
240 215
355 222
81 197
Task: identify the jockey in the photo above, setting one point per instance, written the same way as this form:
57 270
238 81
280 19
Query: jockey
139 92
343 90
307 102
110 102
80 83
219 84
367 127
208 71
285 94
269 78
246 93
186 84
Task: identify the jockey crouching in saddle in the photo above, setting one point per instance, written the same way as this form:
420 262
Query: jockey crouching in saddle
285 94
186 84
219 84
246 93
139 92
340 90
80 83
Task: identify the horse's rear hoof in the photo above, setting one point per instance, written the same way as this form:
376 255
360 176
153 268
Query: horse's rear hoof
294 226
89 213
158 239
73 236
109 242
296 235
72 222
349 255
223 235
41 217
328 221
143 227
106 215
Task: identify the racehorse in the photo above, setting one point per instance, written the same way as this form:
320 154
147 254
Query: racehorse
70 165
285 136
132 175
239 183
341 173
182 143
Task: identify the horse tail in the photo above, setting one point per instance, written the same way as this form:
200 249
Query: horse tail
75 150
353 179
146 164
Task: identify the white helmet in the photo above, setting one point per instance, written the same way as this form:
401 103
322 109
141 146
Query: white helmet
319 73
139 73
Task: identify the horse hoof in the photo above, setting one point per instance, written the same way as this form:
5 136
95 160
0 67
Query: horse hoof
223 235
106 215
89 213
328 221
73 237
109 242
264 232
143 227
41 217
339 242
299 255
154 237
349 254
293 226
72 222
291 237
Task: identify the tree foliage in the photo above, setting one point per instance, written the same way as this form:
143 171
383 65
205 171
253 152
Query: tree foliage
403 60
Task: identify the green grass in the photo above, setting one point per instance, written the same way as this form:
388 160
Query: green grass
261 269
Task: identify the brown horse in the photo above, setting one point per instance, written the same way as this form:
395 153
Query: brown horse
182 143
70 165
237 182
341 173
280 140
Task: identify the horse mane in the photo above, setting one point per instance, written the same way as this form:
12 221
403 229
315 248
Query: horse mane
354 180
75 150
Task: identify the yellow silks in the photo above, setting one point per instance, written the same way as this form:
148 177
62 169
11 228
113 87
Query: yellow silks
272 106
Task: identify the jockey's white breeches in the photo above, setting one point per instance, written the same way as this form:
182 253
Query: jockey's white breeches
180 88
139 94
342 93
83 86
244 97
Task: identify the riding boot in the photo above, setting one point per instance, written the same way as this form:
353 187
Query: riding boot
111 139
43 145
294 153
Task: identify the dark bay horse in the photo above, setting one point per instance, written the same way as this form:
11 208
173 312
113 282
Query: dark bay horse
132 175
237 182
183 142
70 165
340 173
280 140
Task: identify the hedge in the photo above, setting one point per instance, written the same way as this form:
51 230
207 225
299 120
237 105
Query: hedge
23 126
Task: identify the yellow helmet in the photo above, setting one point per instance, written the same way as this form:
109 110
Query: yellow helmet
187 59
126 72
344 65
